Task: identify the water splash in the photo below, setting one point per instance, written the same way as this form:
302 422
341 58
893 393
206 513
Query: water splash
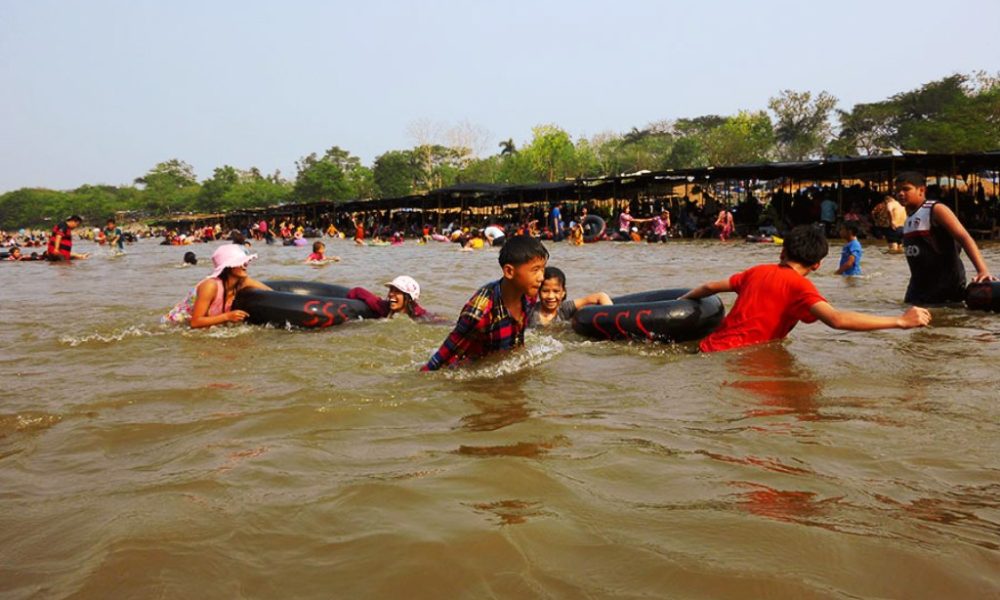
110 338
539 350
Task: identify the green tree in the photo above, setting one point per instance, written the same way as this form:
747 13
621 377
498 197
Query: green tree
551 153
802 124
33 207
867 130
950 115
745 138
322 178
483 170
687 152
213 190
169 186
690 148
256 192
95 203
395 173
517 168
438 165
955 114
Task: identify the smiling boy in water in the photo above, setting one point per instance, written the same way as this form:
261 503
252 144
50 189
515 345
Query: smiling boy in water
497 314
772 299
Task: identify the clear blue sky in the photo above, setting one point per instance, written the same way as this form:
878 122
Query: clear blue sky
100 91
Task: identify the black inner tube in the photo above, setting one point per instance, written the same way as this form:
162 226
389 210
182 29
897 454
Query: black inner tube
657 315
983 296
593 228
307 304
309 288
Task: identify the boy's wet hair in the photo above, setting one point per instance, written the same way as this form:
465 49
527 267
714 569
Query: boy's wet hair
911 177
555 273
852 227
520 249
190 258
806 245
317 246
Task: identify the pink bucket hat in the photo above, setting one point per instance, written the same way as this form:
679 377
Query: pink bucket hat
229 255
407 285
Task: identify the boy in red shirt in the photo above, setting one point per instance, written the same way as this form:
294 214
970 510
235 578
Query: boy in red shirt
772 299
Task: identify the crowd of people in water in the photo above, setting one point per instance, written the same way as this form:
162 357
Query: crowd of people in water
875 212
771 299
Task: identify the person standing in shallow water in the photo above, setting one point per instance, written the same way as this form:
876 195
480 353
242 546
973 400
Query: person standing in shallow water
113 234
850 255
933 238
725 225
61 241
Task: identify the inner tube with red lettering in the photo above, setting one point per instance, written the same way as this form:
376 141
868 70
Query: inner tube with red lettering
656 315
307 304
593 229
983 296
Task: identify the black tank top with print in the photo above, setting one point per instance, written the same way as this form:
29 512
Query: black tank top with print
937 275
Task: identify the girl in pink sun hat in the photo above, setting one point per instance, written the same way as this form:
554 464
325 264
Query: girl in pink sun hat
210 303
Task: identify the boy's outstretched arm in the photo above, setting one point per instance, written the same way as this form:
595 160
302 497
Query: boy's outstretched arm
950 222
855 321
590 299
707 289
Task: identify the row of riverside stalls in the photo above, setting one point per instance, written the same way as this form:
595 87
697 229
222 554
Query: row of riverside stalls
470 203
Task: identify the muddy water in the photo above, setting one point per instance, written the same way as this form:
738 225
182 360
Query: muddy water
140 461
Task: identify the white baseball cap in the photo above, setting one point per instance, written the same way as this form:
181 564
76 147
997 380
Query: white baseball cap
407 285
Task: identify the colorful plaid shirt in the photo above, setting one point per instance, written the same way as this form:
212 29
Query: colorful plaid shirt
484 325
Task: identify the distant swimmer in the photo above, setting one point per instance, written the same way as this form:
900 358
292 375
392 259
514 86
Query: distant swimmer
319 256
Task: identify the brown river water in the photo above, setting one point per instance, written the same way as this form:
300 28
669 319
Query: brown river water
147 461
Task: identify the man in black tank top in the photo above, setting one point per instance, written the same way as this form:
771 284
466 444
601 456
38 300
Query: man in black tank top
933 238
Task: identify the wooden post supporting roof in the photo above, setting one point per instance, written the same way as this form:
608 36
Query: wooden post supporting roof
840 188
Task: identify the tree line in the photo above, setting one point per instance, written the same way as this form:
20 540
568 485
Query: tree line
959 113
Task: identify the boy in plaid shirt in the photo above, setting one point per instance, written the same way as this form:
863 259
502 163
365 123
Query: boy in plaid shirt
496 316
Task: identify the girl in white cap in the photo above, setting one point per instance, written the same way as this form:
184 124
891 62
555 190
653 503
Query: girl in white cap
401 298
210 303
